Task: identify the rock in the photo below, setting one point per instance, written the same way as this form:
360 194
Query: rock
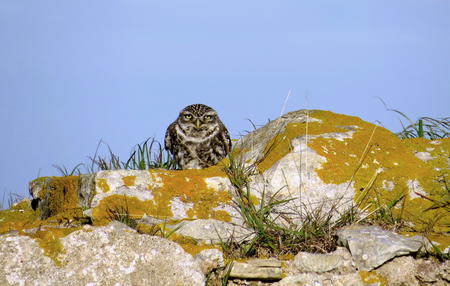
325 162
431 271
313 262
427 271
261 269
23 262
444 272
313 279
210 231
109 255
400 271
371 246
406 270
58 196
209 259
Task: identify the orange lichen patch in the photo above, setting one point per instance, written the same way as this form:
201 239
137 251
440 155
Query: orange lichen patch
18 218
287 256
122 205
103 185
194 249
149 229
187 186
372 153
190 187
439 151
48 240
59 196
129 180
281 144
443 241
189 244
372 277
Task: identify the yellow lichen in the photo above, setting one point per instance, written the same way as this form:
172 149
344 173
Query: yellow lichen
287 256
61 195
188 186
372 277
190 245
49 241
129 180
103 185
124 205
373 153
194 249
18 218
148 229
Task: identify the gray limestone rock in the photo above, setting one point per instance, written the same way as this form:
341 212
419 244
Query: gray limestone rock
209 259
400 271
261 269
110 255
86 191
326 279
295 174
211 231
372 246
23 262
313 262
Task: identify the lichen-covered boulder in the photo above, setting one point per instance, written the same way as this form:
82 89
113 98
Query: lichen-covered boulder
162 197
110 255
162 194
331 162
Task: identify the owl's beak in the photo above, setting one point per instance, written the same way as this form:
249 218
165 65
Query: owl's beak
197 123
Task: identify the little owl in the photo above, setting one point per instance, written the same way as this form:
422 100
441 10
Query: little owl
197 138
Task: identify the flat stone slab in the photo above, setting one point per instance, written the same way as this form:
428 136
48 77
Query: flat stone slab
314 262
371 246
262 269
211 231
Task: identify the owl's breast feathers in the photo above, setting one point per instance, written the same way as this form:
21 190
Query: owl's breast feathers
197 151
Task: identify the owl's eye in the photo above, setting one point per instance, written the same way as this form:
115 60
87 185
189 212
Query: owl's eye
187 116
208 117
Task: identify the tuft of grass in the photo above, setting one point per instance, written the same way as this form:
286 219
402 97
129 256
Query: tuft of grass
383 214
226 274
315 233
148 155
424 127
437 253
122 214
65 172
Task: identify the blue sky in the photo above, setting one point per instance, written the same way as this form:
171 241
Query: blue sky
75 72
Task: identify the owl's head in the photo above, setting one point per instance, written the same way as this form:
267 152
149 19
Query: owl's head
198 119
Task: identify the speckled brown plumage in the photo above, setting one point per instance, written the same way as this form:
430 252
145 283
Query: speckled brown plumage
197 138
